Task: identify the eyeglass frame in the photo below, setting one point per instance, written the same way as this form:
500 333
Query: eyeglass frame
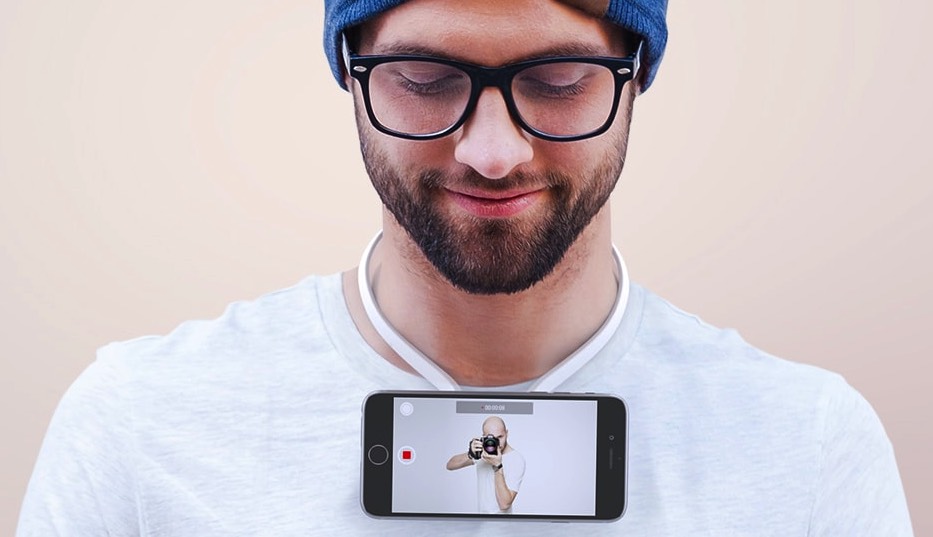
623 70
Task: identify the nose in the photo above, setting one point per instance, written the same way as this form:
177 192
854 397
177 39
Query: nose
490 142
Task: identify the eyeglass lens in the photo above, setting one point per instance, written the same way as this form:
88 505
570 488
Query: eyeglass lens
559 99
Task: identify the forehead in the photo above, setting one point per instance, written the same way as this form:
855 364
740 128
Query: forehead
489 32
493 427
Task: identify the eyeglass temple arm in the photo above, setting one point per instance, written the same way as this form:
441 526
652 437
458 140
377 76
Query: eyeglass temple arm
345 51
638 57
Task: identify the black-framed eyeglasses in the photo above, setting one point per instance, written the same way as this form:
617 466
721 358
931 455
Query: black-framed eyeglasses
561 99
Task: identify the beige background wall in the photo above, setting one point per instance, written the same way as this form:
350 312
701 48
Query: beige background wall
161 159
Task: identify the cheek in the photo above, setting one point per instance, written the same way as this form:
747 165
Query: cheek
574 158
572 152
427 154
408 156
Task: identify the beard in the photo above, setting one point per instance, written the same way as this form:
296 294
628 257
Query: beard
487 256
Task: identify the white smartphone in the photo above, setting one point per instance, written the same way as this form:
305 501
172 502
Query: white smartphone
497 455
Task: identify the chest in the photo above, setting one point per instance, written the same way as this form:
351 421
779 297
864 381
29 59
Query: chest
296 471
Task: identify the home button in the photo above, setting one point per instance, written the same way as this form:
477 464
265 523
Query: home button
378 454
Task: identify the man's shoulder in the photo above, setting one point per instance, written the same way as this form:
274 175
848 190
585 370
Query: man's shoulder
671 337
671 353
255 347
703 402
514 455
253 343
284 315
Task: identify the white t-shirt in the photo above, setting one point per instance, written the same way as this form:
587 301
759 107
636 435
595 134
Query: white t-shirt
513 469
249 424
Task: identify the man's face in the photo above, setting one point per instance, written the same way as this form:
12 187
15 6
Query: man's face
492 208
497 429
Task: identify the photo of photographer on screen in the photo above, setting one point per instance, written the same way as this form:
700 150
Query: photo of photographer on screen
499 467
442 435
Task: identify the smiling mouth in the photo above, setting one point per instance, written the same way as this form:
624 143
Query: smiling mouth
496 204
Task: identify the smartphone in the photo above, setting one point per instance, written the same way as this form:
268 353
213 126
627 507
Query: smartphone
537 456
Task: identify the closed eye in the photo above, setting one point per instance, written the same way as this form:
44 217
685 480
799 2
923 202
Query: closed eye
439 86
538 88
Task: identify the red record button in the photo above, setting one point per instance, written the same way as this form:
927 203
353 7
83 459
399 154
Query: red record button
406 455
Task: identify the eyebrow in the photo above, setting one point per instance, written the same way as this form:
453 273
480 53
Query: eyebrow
563 49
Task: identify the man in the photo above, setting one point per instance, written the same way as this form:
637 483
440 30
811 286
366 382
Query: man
499 470
495 269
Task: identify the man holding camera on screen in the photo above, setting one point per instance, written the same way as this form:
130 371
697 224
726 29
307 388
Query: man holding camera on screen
499 467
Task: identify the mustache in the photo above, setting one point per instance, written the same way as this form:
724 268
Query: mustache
435 180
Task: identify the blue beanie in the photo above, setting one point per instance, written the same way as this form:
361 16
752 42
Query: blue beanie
645 18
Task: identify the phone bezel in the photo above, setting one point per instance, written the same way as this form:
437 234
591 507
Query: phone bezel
611 483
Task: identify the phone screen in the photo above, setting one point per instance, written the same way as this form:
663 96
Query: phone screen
446 450
547 449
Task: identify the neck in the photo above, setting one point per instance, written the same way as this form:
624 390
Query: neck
488 340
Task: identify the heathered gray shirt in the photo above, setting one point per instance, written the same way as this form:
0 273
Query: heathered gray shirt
250 425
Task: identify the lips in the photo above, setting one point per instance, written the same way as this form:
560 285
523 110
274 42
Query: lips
487 204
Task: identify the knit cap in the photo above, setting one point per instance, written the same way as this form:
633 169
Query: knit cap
645 18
